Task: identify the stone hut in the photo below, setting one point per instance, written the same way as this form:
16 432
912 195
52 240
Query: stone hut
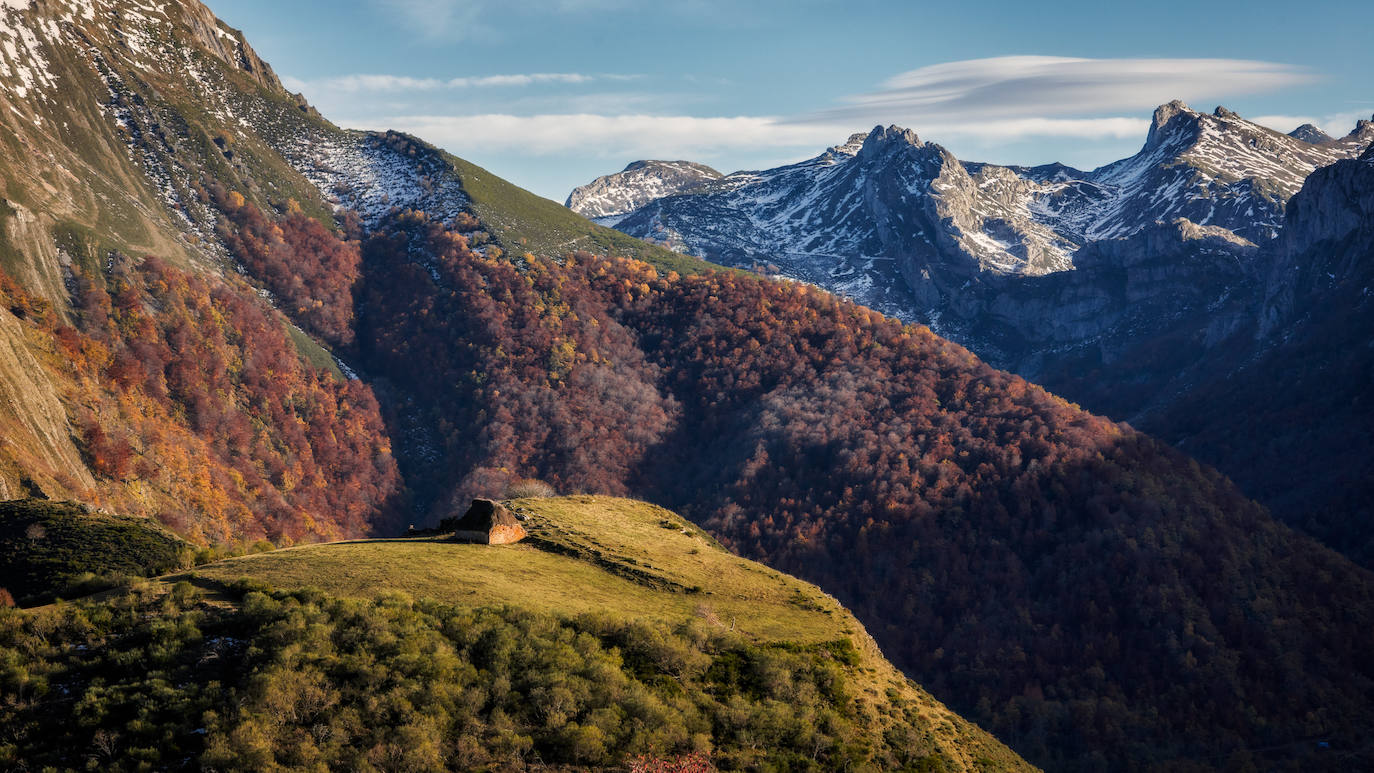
489 523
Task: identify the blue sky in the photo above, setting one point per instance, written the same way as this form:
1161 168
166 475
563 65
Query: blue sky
552 93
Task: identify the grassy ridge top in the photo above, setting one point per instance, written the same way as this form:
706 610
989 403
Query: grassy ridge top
632 561
585 554
524 222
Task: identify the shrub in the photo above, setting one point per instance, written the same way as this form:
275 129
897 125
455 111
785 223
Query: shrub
528 488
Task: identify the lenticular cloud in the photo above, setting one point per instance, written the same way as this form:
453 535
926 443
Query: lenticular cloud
1010 87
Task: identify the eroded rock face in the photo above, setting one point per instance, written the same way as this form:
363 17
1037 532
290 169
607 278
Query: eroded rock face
1326 240
1123 292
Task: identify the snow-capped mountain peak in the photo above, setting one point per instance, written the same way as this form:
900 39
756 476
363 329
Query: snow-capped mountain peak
902 225
613 195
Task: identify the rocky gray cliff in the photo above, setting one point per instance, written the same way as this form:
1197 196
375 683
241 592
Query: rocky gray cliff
1326 240
1288 412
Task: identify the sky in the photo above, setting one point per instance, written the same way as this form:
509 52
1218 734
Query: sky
551 94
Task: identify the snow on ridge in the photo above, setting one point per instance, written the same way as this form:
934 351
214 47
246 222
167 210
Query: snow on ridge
615 195
24 67
360 171
25 31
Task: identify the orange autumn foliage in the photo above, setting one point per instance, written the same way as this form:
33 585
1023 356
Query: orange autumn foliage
192 405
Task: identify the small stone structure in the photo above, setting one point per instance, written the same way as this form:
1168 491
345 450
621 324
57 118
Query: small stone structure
489 523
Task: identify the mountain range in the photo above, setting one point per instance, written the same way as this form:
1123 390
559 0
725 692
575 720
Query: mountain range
227 315
1126 289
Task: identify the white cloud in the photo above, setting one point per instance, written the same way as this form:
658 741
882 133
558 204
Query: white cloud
639 135
352 84
1335 124
661 136
984 103
1017 87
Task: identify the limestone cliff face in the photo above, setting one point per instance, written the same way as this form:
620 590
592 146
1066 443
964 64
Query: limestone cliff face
1122 294
1327 240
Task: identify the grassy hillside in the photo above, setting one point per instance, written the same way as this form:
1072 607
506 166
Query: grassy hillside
592 555
585 554
616 635
522 222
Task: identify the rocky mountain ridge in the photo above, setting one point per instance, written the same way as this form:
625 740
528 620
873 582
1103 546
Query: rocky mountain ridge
636 185
904 226
1188 264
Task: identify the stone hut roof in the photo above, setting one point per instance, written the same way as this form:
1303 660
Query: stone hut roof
485 515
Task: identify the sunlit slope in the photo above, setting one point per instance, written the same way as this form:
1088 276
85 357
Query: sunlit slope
631 560
524 222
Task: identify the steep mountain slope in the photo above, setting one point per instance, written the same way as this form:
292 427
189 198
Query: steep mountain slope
1303 442
135 130
169 386
1173 287
636 185
673 650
